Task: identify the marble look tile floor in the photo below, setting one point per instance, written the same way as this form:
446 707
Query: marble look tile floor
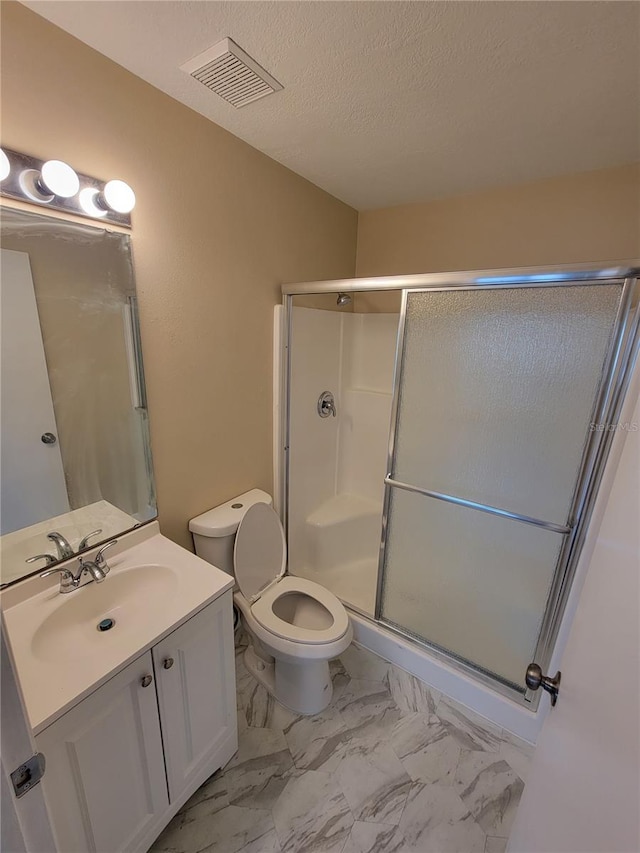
391 766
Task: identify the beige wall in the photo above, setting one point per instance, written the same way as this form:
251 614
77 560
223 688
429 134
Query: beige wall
591 216
217 227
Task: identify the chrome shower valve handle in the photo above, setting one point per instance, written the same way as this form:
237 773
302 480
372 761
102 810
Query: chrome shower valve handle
326 404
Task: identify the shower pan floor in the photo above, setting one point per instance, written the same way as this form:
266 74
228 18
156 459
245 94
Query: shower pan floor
353 583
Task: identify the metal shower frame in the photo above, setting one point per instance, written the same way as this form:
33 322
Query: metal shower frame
619 365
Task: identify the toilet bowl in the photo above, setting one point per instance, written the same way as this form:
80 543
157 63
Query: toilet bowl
295 626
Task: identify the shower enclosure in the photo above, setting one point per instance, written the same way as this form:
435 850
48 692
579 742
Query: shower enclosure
445 492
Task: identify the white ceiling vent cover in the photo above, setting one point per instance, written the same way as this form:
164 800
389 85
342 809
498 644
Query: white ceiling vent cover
231 73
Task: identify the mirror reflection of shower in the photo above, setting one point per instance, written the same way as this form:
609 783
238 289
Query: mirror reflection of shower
343 299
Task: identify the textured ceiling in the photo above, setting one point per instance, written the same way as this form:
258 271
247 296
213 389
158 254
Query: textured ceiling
392 102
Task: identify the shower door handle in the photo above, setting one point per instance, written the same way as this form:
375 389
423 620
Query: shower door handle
535 679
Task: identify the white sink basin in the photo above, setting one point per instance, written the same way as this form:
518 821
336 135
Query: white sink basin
61 656
71 631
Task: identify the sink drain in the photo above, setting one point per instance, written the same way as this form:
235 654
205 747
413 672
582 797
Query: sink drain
106 624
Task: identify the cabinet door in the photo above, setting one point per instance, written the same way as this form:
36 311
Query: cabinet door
105 779
195 676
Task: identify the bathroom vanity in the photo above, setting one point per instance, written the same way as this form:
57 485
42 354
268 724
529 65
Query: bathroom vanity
134 718
128 679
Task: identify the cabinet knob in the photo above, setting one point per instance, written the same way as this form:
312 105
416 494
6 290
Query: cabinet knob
167 663
146 680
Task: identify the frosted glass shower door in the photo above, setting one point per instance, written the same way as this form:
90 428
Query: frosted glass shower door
496 395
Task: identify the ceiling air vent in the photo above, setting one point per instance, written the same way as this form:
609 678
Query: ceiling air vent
231 73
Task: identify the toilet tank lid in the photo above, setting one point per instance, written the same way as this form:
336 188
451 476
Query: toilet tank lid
223 520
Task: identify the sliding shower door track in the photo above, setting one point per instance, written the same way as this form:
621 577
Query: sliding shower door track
497 683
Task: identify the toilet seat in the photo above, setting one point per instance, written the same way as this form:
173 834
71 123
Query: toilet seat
262 611
259 552
259 555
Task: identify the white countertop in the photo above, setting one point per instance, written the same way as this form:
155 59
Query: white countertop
60 655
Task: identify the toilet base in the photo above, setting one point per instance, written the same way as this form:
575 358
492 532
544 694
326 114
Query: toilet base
262 670
304 688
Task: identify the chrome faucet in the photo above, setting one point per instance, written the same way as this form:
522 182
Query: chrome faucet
64 549
48 558
84 542
88 570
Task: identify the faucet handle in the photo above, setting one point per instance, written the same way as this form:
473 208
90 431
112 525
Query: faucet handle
67 580
65 573
100 560
48 557
85 540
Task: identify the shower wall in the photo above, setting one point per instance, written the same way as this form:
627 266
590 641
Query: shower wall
366 382
337 465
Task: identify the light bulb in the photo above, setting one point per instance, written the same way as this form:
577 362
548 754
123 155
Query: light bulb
89 202
5 165
119 196
33 188
59 178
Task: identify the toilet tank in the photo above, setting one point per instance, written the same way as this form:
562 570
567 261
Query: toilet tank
214 531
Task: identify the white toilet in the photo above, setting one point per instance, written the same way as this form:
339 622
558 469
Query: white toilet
295 625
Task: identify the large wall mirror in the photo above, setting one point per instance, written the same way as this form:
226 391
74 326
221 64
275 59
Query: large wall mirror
76 465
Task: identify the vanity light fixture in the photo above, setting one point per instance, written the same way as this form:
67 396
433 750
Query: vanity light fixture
55 184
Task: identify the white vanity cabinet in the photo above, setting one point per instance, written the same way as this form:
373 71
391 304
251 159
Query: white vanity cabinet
104 778
123 760
195 680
